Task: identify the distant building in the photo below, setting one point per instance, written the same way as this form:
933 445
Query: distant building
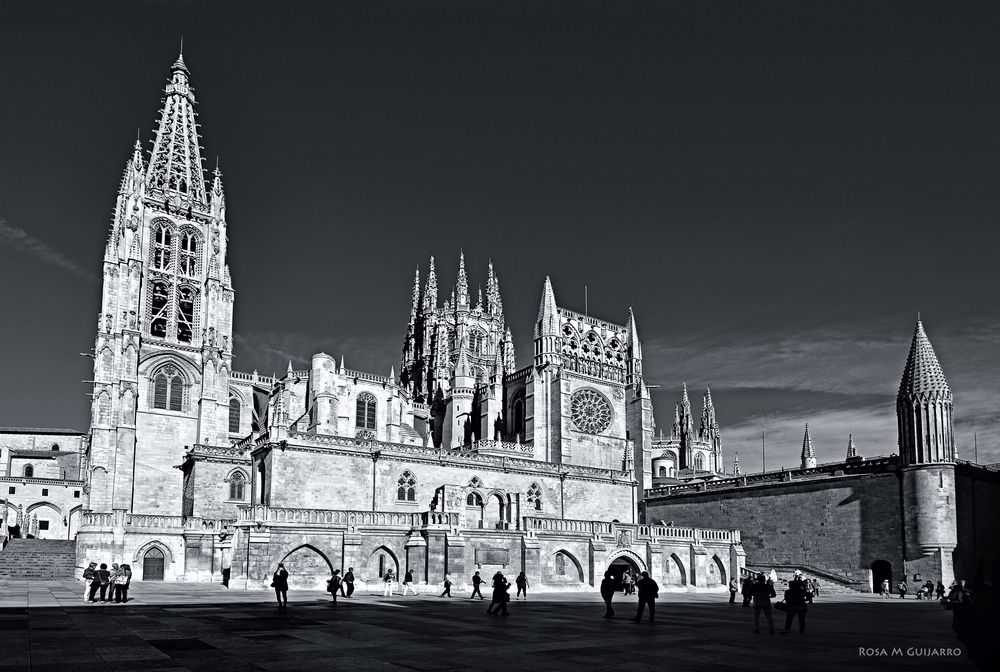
922 513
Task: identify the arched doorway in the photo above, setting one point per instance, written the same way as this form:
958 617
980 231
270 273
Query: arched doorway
619 566
152 565
307 567
379 562
716 572
881 570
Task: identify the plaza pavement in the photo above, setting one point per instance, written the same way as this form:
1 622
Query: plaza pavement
178 626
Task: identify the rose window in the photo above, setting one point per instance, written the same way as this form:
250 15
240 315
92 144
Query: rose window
591 411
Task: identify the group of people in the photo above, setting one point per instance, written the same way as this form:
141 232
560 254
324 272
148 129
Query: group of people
924 592
760 591
646 586
113 584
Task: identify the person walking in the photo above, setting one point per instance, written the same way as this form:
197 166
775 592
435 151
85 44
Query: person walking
608 592
91 570
939 590
815 585
333 585
476 581
795 601
349 580
280 584
763 591
648 592
447 586
522 585
102 578
734 586
500 595
902 587
885 589
408 582
387 582
747 591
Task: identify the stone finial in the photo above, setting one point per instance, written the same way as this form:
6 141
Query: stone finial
808 453
852 451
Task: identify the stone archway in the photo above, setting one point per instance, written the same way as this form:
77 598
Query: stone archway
624 561
307 567
380 561
715 571
881 570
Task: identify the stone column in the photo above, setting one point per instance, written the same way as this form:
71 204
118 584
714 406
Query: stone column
416 557
531 560
455 559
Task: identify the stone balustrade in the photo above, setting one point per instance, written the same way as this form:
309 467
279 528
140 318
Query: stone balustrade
267 515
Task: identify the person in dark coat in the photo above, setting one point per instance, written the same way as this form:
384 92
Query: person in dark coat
280 583
608 592
648 592
522 585
734 588
349 580
476 582
747 591
127 570
334 585
500 595
795 600
763 591
102 579
940 591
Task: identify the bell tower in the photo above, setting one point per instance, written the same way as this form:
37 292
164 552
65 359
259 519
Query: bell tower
163 351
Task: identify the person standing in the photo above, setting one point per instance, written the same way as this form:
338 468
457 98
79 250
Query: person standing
387 582
476 581
500 595
349 580
91 570
939 590
648 592
627 583
117 582
902 587
763 591
885 589
408 582
522 585
280 584
795 600
333 586
127 572
747 591
447 586
815 584
734 586
608 592
102 578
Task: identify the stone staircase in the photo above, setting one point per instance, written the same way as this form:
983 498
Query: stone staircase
38 560
829 583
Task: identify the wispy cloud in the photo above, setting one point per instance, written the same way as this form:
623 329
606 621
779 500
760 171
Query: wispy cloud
21 241
271 351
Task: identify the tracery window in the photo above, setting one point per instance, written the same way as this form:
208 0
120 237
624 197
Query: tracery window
237 483
699 462
162 248
185 314
560 564
160 302
188 253
168 389
535 497
234 415
475 482
367 406
406 490
591 411
474 499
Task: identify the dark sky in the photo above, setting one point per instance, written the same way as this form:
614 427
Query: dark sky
775 188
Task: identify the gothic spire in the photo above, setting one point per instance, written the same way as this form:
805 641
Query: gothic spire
462 286
708 421
508 352
462 367
431 289
852 450
922 375
175 166
493 302
634 366
479 303
547 322
415 298
808 454
736 464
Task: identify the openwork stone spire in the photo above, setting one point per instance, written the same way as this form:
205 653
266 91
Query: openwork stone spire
462 286
175 167
431 290
808 453
852 450
924 406
736 464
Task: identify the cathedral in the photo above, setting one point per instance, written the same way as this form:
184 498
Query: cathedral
462 462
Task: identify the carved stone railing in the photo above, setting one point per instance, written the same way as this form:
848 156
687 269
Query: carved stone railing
364 375
97 519
208 524
251 378
235 451
492 446
147 520
346 518
594 528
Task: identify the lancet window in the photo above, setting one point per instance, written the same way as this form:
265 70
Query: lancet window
162 248
234 415
168 389
367 406
406 490
188 253
185 314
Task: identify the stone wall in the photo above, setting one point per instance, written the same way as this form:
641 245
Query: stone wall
977 510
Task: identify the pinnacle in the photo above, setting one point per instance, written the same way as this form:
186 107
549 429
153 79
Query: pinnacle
922 373
807 445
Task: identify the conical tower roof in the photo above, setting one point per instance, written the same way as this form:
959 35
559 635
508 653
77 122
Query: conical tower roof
807 445
922 374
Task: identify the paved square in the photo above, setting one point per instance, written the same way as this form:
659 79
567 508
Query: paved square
177 626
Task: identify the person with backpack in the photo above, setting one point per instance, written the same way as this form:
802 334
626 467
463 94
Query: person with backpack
522 585
476 582
88 579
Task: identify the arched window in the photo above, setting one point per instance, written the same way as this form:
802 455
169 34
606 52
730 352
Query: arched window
475 482
234 415
29 471
107 363
474 499
407 487
236 486
699 462
158 310
477 342
162 248
366 411
535 497
663 471
188 253
55 446
168 389
560 564
185 314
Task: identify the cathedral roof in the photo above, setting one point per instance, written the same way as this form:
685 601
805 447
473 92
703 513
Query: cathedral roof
922 373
